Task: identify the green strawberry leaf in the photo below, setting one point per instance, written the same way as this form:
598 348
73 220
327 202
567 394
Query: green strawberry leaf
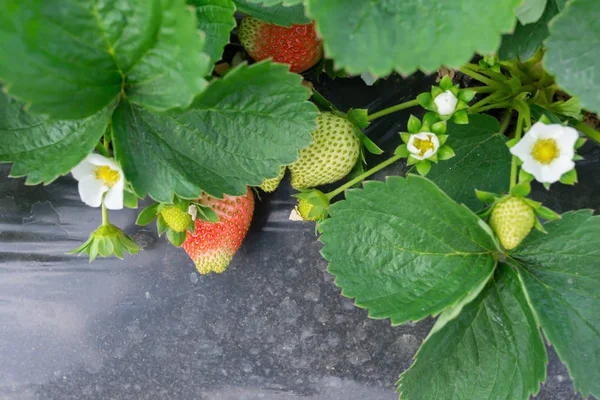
482 161
561 4
561 273
406 35
41 148
277 13
573 48
527 39
216 20
71 59
531 11
242 129
492 350
271 3
413 251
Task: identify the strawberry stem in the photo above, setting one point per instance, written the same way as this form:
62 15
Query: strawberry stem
588 131
513 165
104 215
401 106
479 77
362 176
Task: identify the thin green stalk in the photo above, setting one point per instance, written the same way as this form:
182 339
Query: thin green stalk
513 165
588 131
479 77
102 150
104 214
481 89
364 175
492 74
401 106
482 102
504 104
505 122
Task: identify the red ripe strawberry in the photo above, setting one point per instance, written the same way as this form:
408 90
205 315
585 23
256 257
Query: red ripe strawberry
297 45
212 245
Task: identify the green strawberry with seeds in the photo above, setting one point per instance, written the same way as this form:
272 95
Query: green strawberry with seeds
176 218
511 220
270 185
331 156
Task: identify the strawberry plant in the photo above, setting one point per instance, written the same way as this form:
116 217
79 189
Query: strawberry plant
192 106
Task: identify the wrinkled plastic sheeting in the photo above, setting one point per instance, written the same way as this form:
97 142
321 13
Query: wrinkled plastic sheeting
273 326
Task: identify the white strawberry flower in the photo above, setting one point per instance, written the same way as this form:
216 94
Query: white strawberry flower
446 103
98 175
547 151
423 145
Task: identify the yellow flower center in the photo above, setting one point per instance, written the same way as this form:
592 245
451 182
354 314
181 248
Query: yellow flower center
108 175
423 145
545 150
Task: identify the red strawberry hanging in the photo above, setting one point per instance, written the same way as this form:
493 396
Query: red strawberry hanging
212 245
297 45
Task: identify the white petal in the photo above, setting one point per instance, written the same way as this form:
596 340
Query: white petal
114 197
83 170
568 138
446 103
91 191
97 159
368 78
524 147
549 174
436 142
533 167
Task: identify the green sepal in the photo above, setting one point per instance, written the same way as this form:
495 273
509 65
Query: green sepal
423 167
460 117
484 213
580 142
434 158
405 137
461 105
544 119
442 139
446 83
454 90
161 225
486 197
176 238
314 197
402 151
106 241
546 185
466 95
533 204
569 178
411 161
436 91
521 190
546 213
414 124
426 101
537 225
577 157
525 177
366 142
439 128
148 214
429 119
445 153
322 102
130 200
205 213
359 117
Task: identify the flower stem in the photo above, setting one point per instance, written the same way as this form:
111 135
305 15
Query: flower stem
513 165
588 131
481 89
401 106
104 214
505 122
481 103
362 176
504 104
479 77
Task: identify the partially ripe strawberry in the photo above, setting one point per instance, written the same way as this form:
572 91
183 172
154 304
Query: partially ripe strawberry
512 220
270 185
330 157
212 245
176 218
297 46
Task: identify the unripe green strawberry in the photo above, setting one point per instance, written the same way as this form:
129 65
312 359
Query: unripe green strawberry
304 208
330 157
512 220
269 185
297 45
176 218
